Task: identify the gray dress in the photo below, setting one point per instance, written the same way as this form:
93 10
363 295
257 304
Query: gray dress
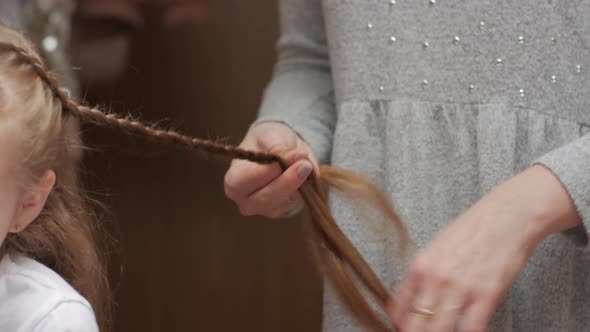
438 102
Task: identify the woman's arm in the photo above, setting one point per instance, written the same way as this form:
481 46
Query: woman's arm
464 272
296 120
300 94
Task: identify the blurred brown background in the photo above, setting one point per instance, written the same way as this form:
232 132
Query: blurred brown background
185 259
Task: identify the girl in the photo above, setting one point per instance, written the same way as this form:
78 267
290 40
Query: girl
52 275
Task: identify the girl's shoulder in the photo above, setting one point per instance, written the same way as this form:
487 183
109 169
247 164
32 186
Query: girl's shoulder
35 298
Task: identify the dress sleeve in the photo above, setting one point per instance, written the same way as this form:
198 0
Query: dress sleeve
300 93
571 164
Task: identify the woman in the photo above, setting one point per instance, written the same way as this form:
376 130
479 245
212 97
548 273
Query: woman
474 117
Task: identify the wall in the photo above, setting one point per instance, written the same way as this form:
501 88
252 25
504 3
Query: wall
185 259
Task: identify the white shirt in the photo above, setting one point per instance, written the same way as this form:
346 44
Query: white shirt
33 298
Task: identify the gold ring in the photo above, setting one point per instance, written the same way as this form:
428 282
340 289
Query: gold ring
421 312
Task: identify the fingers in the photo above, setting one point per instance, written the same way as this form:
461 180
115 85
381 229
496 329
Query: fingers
478 314
266 189
421 311
245 177
430 300
280 196
420 296
404 295
435 309
448 312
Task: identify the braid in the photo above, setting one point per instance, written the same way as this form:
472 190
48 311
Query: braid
335 252
170 136
130 126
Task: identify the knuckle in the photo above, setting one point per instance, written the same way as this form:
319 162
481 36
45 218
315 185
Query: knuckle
490 294
443 278
264 198
230 192
466 288
230 186
420 266
483 294
246 210
417 269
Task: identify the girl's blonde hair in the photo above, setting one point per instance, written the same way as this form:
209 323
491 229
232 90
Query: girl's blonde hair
64 236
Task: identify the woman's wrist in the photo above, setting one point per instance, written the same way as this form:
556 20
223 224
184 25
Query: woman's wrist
541 200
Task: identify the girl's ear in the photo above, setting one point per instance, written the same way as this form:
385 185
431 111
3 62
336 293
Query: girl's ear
32 202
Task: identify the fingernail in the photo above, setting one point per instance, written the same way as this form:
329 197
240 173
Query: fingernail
303 171
299 156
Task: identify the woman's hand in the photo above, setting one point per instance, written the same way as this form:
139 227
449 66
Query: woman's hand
265 189
456 282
